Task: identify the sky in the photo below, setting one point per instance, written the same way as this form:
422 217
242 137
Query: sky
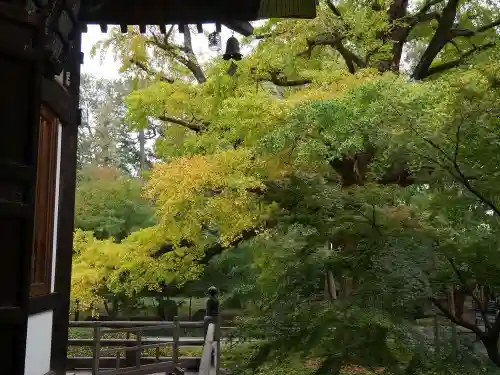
108 68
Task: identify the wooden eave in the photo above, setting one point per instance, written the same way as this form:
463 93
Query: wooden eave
165 12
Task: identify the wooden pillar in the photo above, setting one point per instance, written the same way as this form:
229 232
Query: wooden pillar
20 75
67 186
176 338
206 322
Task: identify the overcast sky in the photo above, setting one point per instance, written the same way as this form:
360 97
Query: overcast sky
109 68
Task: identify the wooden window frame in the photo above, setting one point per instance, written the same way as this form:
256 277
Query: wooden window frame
45 203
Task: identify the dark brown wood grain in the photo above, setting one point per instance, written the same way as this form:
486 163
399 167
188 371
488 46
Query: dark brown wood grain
20 74
66 212
41 263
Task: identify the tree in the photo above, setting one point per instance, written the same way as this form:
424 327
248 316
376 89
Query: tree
110 204
338 176
93 260
106 137
374 34
417 132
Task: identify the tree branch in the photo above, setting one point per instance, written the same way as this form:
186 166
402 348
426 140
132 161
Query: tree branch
414 19
468 32
460 176
458 321
268 35
474 297
279 80
217 248
429 4
244 236
333 8
495 329
189 61
439 68
149 71
335 41
440 38
454 44
291 83
445 33
195 126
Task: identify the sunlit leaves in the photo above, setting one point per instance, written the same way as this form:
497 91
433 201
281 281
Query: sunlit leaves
208 192
93 261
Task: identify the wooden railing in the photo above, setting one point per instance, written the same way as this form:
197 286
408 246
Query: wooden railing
115 356
211 348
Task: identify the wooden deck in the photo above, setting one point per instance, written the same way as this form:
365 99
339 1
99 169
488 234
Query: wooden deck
212 372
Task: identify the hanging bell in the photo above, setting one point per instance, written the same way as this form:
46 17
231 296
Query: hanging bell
232 49
214 41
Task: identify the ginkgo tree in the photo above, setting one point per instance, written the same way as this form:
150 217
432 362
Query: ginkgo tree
201 118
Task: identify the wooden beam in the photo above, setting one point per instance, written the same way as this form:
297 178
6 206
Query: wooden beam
287 9
244 28
44 303
56 97
66 214
157 12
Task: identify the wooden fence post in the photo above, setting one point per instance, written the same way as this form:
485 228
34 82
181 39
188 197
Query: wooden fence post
118 356
217 337
97 350
175 346
206 322
129 355
138 351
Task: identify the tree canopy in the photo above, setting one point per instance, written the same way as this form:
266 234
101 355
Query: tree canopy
346 173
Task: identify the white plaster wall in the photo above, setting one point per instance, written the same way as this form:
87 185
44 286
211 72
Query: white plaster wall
56 208
38 344
39 337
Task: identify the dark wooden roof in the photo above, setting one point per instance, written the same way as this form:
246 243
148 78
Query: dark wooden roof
164 12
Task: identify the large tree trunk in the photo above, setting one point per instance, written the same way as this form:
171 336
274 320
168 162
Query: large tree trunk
142 152
330 286
491 345
441 37
113 310
459 297
397 35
